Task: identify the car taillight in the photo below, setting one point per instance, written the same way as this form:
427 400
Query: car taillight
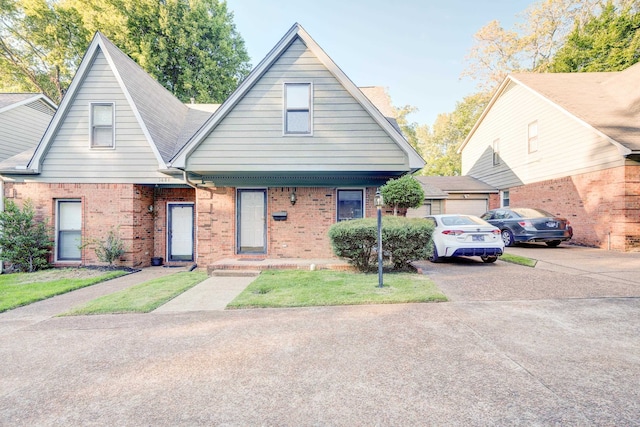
496 231
453 232
526 224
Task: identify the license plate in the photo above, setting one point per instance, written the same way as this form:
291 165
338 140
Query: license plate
552 224
477 238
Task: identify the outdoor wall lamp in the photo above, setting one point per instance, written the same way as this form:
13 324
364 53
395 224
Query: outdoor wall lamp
293 198
150 208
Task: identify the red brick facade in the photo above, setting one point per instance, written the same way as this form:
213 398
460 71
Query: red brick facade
126 208
603 207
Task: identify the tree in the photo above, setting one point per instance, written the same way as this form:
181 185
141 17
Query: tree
24 242
531 45
402 193
440 143
190 46
608 42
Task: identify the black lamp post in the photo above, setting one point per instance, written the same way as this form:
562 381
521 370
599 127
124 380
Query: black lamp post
379 202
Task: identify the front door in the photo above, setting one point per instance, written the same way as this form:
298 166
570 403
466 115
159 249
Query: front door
180 219
252 212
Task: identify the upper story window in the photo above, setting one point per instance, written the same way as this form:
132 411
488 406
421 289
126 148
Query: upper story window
297 108
350 204
102 129
496 152
532 136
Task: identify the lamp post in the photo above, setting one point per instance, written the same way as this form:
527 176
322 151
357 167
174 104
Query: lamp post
379 202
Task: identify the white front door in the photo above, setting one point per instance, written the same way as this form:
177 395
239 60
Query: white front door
180 228
251 221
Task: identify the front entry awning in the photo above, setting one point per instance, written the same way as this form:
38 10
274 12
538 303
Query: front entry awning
297 179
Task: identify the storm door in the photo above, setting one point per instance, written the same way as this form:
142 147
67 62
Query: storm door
180 229
252 225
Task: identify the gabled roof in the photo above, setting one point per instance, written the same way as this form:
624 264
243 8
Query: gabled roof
608 102
297 32
165 121
9 101
436 186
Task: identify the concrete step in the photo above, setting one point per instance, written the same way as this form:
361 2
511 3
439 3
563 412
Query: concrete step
234 273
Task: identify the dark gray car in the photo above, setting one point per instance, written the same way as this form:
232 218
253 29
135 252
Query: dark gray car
529 225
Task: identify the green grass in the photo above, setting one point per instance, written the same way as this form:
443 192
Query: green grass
144 297
517 259
297 288
18 289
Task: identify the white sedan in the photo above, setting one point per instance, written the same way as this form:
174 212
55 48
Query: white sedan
464 235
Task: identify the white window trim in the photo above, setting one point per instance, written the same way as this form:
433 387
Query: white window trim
57 231
284 109
113 125
364 200
536 138
502 198
495 152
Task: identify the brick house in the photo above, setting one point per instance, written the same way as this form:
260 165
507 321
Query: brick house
294 149
568 143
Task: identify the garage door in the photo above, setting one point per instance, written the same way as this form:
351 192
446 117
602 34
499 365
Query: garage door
466 206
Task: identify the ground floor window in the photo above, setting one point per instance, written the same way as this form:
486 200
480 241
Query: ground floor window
504 198
350 204
68 230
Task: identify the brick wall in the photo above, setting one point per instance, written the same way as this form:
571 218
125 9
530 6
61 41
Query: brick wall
603 207
302 235
124 207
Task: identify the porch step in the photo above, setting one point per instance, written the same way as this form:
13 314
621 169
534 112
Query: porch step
233 273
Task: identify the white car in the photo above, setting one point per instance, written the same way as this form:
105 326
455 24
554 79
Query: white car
465 235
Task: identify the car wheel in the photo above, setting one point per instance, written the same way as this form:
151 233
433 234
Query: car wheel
489 258
434 254
507 237
553 243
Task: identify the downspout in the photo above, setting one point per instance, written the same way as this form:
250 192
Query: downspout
191 184
185 177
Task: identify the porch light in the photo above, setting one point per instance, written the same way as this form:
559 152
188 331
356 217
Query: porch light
293 198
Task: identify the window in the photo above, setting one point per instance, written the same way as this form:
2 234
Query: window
532 134
102 134
496 152
297 108
504 198
69 225
350 204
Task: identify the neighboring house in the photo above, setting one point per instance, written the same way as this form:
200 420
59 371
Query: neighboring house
23 119
294 149
568 143
454 194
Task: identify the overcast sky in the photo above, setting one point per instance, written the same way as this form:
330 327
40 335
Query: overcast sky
414 48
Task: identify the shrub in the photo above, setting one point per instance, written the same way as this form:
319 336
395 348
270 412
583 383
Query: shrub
24 242
355 240
402 193
403 240
109 249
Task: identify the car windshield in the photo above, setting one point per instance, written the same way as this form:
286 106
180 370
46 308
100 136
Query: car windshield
532 213
462 220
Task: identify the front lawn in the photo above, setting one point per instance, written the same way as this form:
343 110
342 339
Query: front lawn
144 297
18 289
298 288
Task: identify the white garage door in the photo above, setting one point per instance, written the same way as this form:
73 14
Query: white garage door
466 206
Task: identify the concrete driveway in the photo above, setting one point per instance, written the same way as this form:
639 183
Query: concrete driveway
515 346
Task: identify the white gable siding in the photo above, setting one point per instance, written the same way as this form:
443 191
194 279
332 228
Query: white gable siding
70 158
21 128
250 137
565 146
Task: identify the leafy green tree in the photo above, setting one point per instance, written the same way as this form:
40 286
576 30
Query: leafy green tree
440 143
402 193
607 42
24 241
190 46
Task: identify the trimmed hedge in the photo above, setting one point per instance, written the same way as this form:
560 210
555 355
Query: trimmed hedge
403 240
